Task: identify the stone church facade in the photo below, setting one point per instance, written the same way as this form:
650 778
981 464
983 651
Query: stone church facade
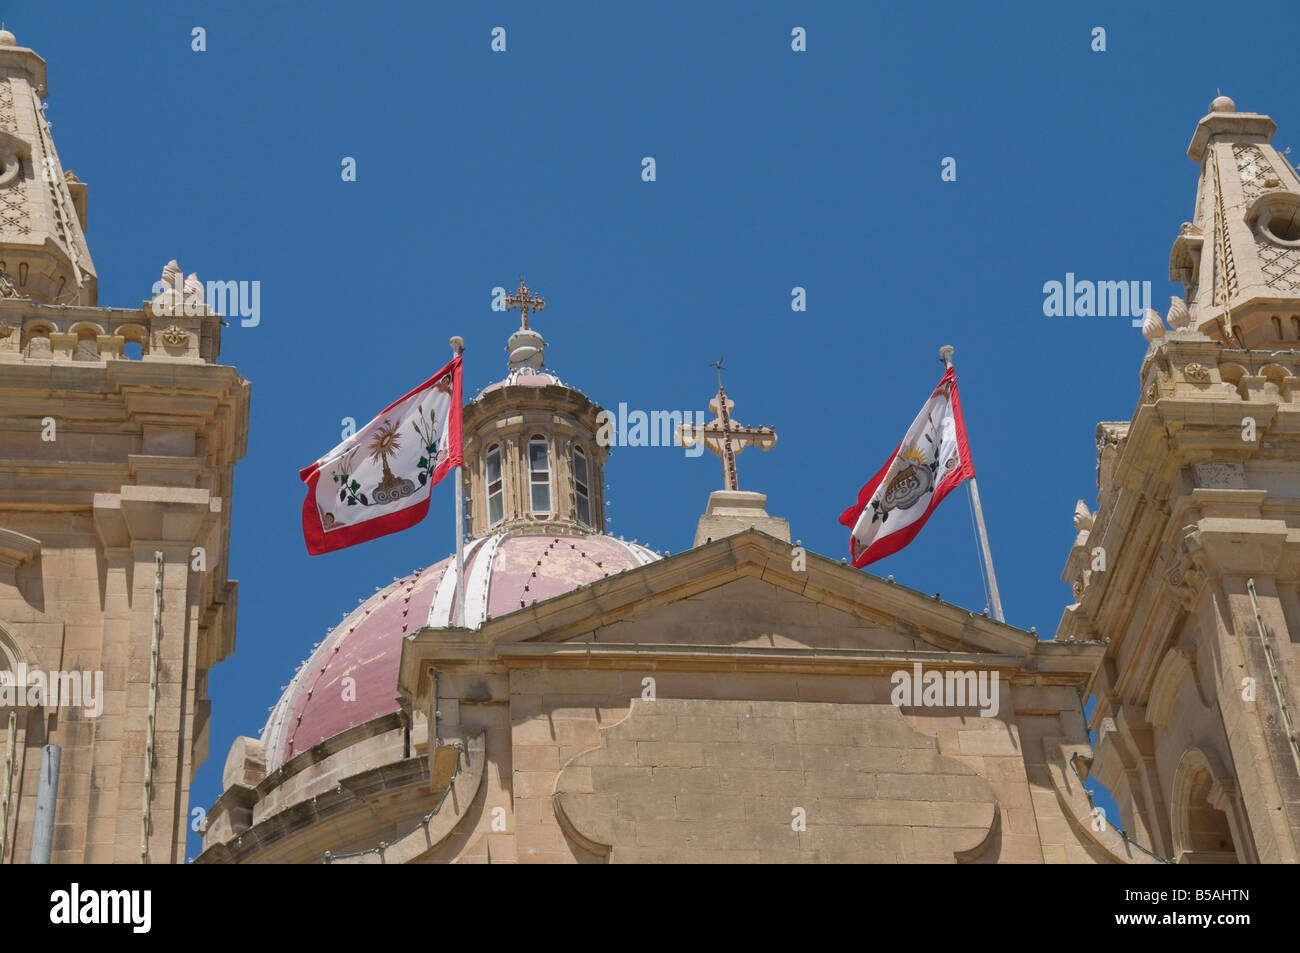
1199 520
118 438
604 703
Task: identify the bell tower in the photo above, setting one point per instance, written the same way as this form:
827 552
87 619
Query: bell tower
119 434
42 208
1239 259
1189 568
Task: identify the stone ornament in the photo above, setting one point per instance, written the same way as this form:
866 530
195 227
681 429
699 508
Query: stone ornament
174 336
7 287
1153 327
180 294
1185 578
1178 316
1197 372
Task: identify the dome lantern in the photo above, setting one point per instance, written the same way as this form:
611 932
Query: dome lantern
532 460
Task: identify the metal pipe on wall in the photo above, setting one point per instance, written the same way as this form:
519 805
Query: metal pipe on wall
11 742
146 818
47 792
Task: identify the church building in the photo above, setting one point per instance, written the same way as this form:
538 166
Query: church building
740 701
568 696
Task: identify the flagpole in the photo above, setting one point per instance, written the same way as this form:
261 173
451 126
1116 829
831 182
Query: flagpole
945 355
457 346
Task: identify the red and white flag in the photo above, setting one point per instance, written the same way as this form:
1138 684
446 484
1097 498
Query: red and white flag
378 480
928 465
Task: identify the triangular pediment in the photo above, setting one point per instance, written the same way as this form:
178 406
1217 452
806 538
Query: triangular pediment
755 613
740 604
749 592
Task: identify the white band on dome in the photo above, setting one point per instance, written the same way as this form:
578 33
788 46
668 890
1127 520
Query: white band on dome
445 595
476 586
639 553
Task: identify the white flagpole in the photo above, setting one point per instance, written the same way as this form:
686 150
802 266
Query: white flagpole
945 355
457 346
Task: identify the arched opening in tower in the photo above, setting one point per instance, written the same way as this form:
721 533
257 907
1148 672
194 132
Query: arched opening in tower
1208 837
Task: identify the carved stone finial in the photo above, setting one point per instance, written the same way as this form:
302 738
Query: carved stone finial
1179 317
1083 517
193 288
1153 328
171 276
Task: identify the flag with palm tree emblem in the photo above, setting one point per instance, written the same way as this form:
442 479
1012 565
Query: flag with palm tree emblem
378 480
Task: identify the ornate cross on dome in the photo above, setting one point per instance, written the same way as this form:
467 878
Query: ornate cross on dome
724 436
525 301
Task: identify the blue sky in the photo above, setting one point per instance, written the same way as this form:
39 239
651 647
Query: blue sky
775 169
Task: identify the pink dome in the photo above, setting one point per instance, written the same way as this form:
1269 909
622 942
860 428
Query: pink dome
503 573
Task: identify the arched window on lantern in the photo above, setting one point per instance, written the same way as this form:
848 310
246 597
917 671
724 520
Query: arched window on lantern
539 475
492 479
581 493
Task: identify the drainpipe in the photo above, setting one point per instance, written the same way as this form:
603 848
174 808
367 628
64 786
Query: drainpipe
46 791
146 818
11 741
434 740
1275 677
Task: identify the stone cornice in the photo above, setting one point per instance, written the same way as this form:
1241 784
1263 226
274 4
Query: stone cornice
347 805
1242 127
552 398
587 655
330 746
1180 462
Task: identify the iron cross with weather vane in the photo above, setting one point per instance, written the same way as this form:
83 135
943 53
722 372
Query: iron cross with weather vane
723 436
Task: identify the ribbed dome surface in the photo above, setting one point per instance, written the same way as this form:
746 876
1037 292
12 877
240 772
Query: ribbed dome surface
503 573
